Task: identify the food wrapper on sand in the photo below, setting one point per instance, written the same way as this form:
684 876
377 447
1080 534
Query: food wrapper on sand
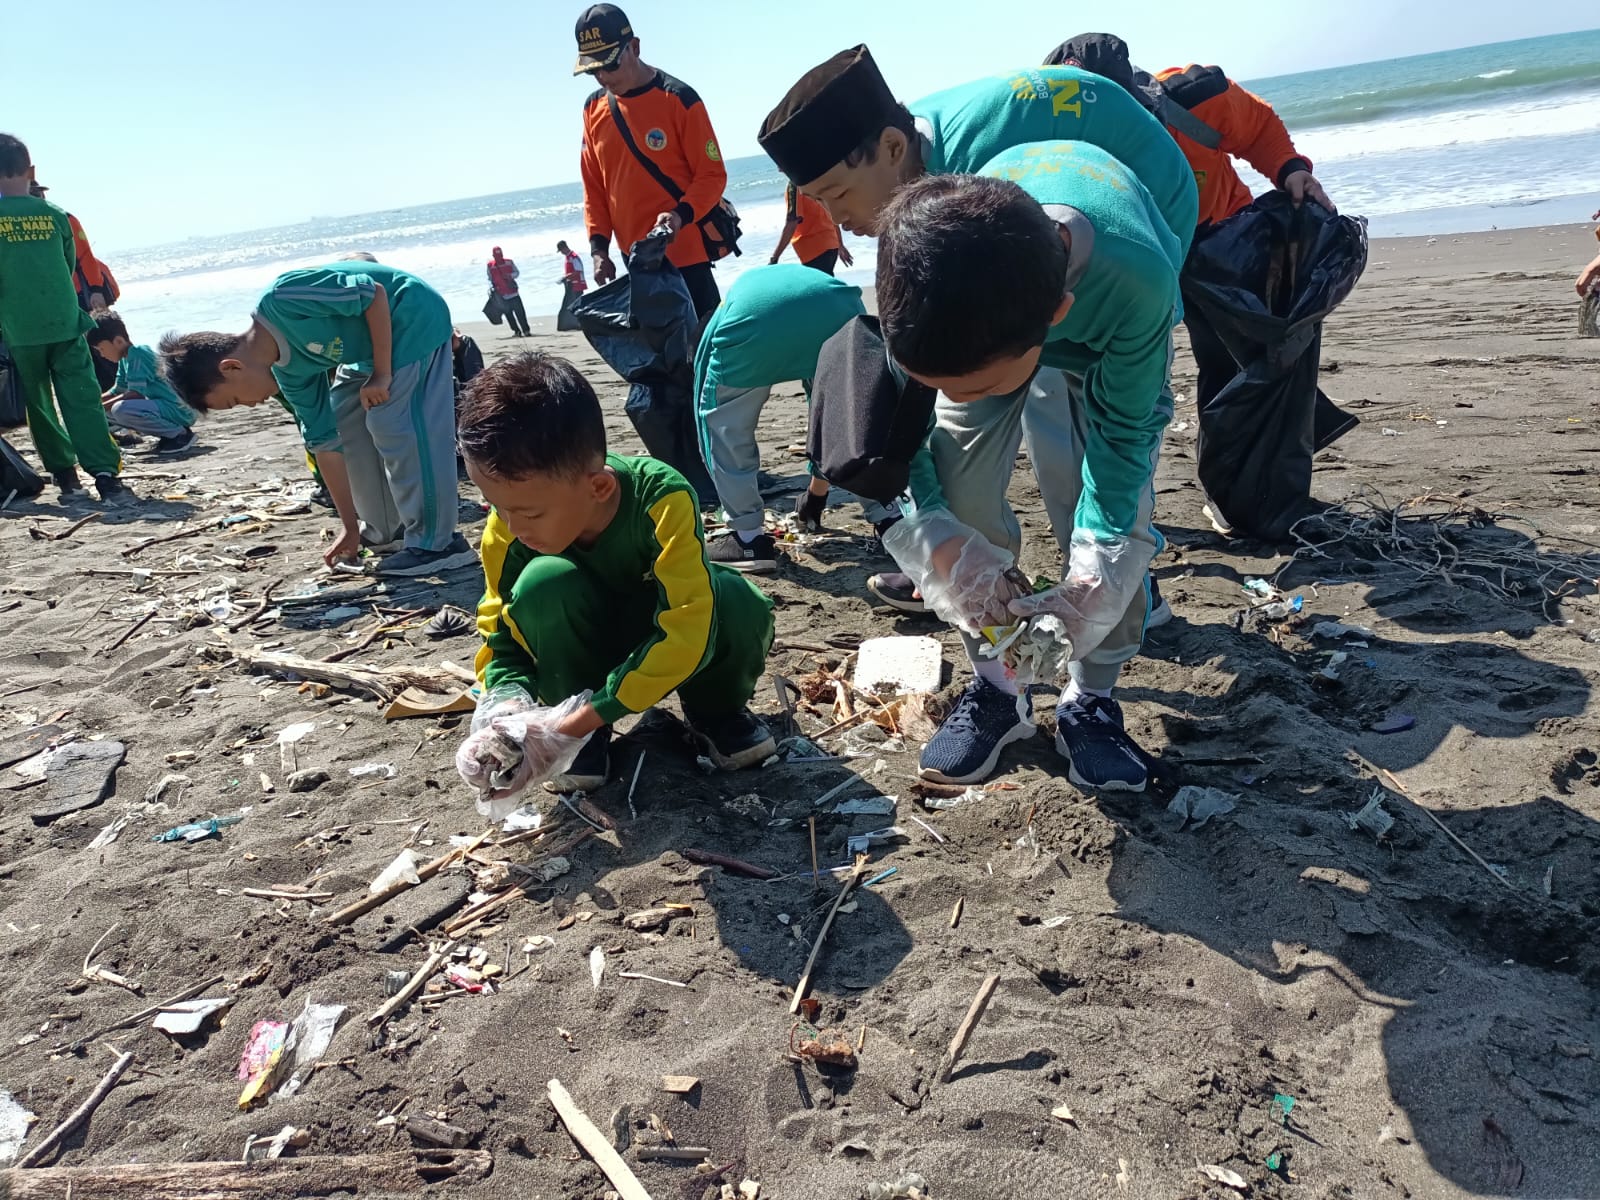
1035 650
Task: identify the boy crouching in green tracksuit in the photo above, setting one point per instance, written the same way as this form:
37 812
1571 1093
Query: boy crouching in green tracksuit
600 600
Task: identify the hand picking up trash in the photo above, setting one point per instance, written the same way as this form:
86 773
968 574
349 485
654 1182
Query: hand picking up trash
515 743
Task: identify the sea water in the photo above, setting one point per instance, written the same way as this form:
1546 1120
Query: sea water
1488 137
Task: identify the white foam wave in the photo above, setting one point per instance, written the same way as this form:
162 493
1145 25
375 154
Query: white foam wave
1460 127
1497 74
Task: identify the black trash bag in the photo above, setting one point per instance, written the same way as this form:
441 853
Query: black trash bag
643 324
1265 280
494 308
13 409
566 315
17 478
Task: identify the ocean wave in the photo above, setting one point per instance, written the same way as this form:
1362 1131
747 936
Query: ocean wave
1498 74
1456 127
1492 87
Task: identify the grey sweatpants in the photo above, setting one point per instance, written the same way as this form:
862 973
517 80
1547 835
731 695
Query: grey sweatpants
975 452
401 455
728 444
143 415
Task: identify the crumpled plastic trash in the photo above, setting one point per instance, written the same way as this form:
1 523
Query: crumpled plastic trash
1279 609
188 1016
402 869
275 1046
259 1062
381 770
863 842
14 1124
867 806
525 818
1373 817
1200 804
1036 650
197 831
909 1186
1338 629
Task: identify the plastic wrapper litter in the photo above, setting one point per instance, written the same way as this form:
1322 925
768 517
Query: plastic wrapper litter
514 744
1104 576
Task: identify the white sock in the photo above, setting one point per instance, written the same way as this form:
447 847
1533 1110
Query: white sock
749 535
1075 691
993 670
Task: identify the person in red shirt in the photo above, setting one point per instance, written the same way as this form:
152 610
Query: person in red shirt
669 129
503 275
1214 121
814 234
572 286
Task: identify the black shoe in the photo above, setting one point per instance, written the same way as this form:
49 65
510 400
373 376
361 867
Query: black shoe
741 739
456 555
882 527
68 481
757 557
1160 610
321 498
967 747
112 490
176 444
897 591
589 771
1089 735
808 510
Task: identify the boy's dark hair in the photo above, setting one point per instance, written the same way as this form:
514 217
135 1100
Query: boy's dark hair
970 270
14 156
532 414
191 363
867 151
107 325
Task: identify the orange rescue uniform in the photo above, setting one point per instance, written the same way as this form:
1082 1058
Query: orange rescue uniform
1250 130
815 232
621 200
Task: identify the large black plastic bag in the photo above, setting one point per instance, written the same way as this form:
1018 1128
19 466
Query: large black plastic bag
1264 280
17 478
13 410
643 324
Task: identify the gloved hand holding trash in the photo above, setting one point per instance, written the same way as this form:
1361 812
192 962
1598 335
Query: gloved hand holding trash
1103 575
965 579
515 743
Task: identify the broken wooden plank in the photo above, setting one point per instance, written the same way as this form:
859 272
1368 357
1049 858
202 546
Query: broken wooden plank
595 1144
312 1175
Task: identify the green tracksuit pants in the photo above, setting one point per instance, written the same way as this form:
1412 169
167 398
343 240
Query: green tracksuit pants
69 370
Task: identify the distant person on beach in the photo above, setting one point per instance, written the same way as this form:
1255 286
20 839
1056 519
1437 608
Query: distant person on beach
1213 120
643 131
140 399
768 331
43 327
503 275
813 233
1589 277
599 599
383 432
573 285
1051 326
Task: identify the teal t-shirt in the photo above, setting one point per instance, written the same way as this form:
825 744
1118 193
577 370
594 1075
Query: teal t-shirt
1116 337
319 317
139 372
966 127
771 326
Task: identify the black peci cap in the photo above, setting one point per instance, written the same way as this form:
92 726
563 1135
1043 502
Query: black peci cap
603 31
832 110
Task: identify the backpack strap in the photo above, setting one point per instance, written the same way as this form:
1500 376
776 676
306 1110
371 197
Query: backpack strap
1179 119
656 173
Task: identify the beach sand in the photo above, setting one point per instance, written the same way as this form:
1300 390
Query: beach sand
1435 1025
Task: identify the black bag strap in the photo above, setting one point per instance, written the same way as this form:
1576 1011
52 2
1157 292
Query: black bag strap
1179 118
656 173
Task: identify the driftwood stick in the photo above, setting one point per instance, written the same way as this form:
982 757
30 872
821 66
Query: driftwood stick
310 1175
413 985
594 1144
980 1004
254 614
674 1153
128 633
516 891
384 683
143 1014
140 547
280 894
801 988
1446 830
40 535
709 858
80 1114
424 873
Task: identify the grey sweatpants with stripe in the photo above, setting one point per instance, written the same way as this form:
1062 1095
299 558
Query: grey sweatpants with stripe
728 444
974 449
401 455
143 415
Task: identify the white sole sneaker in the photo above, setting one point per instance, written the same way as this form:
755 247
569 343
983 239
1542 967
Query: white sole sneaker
433 566
1019 733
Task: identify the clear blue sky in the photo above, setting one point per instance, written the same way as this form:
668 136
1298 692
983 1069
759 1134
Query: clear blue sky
168 118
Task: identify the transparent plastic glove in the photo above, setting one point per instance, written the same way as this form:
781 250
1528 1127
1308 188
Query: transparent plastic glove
513 745
964 578
1102 579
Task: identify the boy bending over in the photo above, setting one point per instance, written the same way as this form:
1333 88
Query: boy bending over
600 600
382 432
141 399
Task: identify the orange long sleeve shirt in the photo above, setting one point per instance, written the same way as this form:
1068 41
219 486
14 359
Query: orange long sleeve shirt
1250 130
620 199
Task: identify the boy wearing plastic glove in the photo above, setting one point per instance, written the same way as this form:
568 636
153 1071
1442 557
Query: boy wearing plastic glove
600 600
1043 311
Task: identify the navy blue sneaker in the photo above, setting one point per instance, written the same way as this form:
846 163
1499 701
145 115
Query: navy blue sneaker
589 770
984 722
1089 735
1160 610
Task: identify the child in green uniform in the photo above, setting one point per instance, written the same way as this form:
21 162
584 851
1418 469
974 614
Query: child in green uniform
600 600
141 399
382 431
43 327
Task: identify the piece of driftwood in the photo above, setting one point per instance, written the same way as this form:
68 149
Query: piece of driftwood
424 873
127 633
708 858
595 1144
383 683
980 1004
258 611
39 535
140 547
312 1175
436 1133
674 1153
1446 830
516 891
801 988
142 1015
79 1115
413 985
